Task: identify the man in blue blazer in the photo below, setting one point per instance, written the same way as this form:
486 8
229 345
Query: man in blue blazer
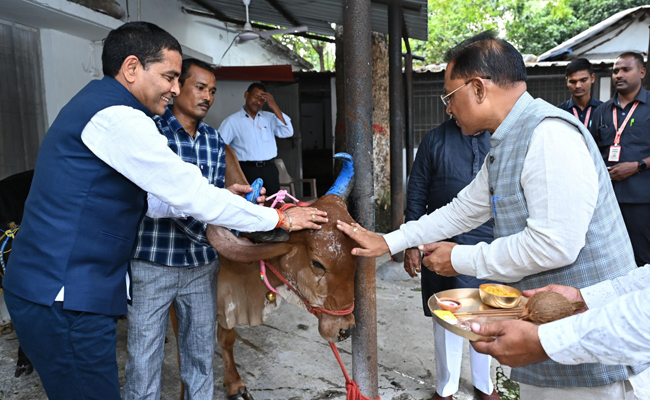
67 280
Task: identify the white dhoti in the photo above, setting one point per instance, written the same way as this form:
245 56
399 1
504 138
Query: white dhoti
449 354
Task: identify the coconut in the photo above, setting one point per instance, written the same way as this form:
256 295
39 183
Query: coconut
545 307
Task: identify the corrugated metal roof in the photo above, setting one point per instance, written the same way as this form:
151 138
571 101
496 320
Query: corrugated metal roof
594 31
433 68
318 15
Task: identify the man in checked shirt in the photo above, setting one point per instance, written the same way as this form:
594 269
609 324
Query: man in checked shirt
173 261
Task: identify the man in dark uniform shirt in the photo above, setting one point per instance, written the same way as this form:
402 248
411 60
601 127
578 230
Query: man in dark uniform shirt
621 128
579 79
446 162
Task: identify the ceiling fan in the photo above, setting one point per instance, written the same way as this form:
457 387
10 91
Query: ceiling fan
247 33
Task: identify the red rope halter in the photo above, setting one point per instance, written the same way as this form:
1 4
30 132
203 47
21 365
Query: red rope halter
350 386
310 308
353 392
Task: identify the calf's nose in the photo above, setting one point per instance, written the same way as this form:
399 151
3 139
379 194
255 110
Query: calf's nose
343 334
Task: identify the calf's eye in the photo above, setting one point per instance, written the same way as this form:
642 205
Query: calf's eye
318 265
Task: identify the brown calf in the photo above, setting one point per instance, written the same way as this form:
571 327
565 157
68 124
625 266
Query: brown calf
317 263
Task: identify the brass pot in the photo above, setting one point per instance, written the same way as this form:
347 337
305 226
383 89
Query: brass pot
500 301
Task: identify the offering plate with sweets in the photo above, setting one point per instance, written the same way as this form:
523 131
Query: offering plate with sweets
474 309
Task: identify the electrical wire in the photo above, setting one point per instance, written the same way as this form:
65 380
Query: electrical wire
224 53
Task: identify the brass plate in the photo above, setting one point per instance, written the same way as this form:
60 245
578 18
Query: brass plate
470 300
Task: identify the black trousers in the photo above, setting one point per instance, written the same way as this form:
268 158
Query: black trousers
265 170
637 222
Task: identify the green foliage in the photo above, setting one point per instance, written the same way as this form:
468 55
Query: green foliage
535 30
452 21
320 54
533 26
595 11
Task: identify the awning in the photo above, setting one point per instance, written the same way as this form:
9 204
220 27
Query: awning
277 73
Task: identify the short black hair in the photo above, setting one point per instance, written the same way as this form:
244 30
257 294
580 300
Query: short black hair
579 64
187 64
256 85
638 56
487 55
141 39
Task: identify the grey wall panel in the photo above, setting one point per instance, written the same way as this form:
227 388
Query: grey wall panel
22 115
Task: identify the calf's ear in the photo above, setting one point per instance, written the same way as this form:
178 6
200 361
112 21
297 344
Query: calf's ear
241 249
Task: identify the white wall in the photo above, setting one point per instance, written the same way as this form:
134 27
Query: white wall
633 38
71 49
229 99
69 63
605 88
194 32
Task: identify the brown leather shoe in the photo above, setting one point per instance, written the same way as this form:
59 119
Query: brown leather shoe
493 396
436 396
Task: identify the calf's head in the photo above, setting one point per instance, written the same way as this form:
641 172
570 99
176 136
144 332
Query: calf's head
317 263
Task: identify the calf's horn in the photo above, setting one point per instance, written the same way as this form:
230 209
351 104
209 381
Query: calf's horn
345 181
275 236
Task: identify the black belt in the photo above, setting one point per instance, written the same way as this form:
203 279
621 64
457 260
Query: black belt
258 164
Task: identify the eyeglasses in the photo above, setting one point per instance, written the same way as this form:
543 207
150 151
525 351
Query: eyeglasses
446 99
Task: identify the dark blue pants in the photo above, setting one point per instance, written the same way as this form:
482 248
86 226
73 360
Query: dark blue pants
73 352
637 222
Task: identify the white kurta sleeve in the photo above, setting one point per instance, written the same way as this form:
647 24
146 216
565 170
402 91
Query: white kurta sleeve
128 141
560 206
614 334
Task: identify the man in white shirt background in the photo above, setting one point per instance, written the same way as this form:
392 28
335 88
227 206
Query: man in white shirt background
548 193
251 133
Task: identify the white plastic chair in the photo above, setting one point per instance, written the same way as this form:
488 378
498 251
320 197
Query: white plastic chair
287 182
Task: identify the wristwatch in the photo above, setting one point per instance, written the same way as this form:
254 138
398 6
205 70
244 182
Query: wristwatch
642 166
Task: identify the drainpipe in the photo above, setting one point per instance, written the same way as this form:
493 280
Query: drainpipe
396 105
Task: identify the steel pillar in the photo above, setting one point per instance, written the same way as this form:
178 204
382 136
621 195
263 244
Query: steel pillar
396 105
357 52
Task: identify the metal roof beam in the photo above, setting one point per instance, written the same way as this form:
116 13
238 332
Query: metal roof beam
282 11
217 13
405 4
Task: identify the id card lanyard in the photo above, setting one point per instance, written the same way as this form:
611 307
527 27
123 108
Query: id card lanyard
586 116
615 149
